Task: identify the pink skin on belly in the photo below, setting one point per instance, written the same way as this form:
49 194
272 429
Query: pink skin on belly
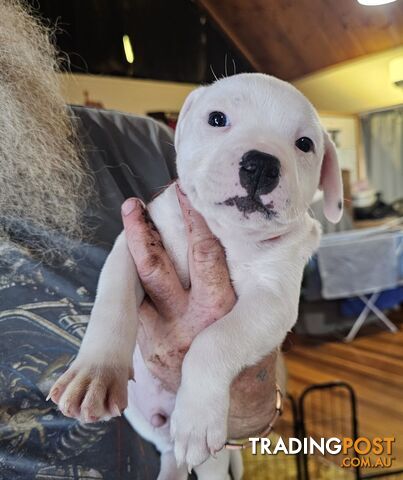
151 399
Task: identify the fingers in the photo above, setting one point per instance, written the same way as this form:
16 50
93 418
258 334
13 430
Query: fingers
156 271
210 280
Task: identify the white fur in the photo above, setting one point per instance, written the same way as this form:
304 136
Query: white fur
265 114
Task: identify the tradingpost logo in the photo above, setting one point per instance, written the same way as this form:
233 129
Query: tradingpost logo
362 452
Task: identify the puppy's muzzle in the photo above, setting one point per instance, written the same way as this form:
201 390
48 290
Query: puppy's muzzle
259 173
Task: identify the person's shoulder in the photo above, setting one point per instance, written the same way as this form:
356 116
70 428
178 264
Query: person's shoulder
122 120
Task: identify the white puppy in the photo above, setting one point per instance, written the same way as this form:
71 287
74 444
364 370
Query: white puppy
250 155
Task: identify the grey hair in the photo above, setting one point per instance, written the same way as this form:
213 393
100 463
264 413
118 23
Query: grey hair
44 180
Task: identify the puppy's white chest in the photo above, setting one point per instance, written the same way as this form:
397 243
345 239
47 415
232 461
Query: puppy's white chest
251 270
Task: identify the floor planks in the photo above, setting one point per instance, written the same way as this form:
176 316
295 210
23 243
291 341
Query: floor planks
372 364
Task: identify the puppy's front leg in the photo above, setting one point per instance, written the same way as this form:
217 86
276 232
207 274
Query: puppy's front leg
95 385
243 337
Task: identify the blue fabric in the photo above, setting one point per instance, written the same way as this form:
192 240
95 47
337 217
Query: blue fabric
352 307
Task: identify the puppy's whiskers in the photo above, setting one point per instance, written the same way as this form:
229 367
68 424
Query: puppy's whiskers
213 72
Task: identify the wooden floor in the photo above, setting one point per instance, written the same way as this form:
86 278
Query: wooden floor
372 364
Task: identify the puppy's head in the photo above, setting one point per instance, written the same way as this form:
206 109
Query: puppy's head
251 153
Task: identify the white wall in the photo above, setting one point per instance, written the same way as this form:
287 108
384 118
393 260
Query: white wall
126 95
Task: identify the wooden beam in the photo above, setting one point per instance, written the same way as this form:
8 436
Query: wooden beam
213 13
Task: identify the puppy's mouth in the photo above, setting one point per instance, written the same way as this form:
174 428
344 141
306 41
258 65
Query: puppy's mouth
249 204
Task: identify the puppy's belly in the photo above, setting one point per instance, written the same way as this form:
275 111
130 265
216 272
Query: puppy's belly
148 396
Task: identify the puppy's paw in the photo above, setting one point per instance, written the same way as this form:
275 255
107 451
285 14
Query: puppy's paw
198 426
90 391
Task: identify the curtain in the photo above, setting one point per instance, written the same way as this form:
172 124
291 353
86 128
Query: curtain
383 143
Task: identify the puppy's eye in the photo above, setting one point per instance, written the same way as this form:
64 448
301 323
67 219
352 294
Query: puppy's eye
305 144
217 119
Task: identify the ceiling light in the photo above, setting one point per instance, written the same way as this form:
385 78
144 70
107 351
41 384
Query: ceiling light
375 2
127 46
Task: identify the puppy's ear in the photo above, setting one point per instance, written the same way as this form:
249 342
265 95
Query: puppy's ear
331 182
183 113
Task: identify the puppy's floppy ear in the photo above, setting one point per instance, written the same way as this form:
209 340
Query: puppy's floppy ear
331 182
184 111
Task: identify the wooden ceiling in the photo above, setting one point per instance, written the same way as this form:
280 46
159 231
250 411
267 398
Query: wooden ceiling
292 38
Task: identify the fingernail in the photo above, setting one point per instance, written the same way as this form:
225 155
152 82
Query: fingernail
129 206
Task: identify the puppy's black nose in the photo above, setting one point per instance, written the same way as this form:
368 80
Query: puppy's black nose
259 172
